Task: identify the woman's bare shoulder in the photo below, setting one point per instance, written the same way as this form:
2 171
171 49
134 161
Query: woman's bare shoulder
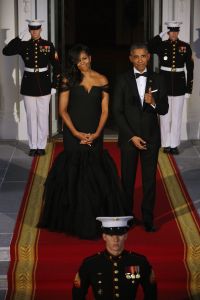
100 79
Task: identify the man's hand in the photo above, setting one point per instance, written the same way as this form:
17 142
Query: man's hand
23 33
139 142
53 91
187 96
148 98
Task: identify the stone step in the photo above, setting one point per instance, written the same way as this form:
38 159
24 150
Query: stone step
4 265
2 294
3 282
4 254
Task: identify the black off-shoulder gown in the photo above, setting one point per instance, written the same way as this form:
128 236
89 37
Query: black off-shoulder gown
83 182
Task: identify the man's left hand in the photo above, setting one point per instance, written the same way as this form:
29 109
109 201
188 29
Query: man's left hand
53 91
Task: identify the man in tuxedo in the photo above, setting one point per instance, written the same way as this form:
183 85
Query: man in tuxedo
139 97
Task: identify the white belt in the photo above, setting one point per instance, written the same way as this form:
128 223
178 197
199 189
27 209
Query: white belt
33 70
172 69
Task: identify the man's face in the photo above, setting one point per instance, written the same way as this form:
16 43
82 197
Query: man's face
173 35
115 243
139 58
35 33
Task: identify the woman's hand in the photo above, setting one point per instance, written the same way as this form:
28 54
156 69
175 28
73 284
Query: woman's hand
92 137
83 137
89 138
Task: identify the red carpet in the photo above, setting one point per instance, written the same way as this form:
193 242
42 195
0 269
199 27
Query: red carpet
43 264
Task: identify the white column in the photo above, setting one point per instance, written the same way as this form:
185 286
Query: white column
193 108
26 10
53 102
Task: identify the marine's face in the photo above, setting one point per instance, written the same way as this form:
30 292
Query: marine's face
115 243
139 58
84 62
35 33
173 35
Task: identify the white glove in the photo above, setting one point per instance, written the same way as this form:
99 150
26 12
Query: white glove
163 33
53 91
23 33
187 96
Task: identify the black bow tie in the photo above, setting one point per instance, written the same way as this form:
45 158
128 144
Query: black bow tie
140 74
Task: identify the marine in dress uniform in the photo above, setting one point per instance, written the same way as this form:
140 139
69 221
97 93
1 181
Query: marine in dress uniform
115 273
174 56
36 86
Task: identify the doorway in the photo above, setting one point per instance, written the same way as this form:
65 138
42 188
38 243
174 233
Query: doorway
108 28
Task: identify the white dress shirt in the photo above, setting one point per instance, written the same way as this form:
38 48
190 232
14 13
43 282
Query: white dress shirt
141 84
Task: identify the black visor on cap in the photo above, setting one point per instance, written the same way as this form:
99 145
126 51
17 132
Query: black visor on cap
34 27
114 230
174 29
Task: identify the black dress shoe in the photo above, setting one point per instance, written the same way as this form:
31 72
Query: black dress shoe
149 227
166 149
41 152
174 151
32 152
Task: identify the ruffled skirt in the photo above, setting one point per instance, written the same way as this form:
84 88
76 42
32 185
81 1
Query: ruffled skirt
81 186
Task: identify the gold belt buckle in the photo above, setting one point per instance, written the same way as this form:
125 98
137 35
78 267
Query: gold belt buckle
173 70
36 70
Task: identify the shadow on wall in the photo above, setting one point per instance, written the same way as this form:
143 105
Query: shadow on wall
8 93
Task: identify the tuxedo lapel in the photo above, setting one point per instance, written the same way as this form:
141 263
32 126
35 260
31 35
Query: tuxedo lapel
133 86
149 82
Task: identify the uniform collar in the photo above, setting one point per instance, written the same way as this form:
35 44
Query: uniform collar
36 41
173 42
114 257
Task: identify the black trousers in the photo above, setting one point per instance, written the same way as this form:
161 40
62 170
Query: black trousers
129 161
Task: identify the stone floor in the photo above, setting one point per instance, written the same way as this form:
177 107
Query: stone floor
14 170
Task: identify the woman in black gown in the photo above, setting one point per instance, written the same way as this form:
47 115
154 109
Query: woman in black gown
83 182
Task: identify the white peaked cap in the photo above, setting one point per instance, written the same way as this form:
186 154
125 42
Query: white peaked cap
172 24
35 22
108 222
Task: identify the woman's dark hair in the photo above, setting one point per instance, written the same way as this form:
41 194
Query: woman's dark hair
73 74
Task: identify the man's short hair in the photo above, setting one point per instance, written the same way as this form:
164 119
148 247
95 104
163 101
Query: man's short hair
138 45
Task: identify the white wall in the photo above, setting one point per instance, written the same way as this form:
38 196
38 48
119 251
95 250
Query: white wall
193 109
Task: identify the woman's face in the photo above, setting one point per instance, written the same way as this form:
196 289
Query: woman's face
84 62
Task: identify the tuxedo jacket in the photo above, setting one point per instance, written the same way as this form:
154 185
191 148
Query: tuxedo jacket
133 118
